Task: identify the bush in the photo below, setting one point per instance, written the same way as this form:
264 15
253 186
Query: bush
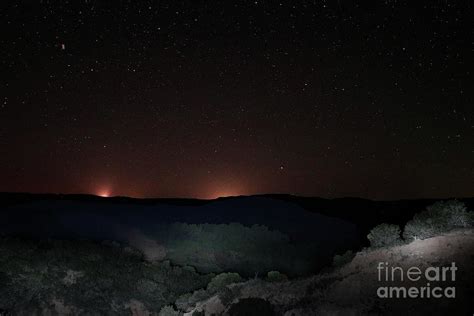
438 218
470 215
32 275
188 300
218 284
169 311
384 235
217 248
222 280
340 260
227 295
275 276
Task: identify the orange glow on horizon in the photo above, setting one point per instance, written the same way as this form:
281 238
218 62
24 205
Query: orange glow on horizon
103 193
223 193
224 187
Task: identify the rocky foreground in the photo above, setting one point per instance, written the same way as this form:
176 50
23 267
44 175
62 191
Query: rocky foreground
85 278
353 288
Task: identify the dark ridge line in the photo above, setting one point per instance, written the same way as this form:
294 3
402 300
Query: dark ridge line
78 196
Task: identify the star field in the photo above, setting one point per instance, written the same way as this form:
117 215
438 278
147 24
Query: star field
210 98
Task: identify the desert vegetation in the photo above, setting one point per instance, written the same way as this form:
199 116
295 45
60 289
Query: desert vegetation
217 248
384 235
340 260
86 277
439 218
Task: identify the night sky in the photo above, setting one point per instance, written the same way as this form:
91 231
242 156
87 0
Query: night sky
213 98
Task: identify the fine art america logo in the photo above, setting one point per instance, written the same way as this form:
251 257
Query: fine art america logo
431 278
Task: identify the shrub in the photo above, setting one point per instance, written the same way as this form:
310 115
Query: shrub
227 295
345 258
222 280
217 248
438 218
470 215
37 275
188 300
275 276
384 235
169 311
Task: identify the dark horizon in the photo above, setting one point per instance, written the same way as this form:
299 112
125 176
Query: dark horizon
208 99
270 195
